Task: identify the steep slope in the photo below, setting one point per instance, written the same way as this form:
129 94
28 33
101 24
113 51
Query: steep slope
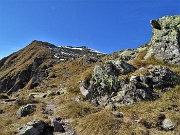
29 65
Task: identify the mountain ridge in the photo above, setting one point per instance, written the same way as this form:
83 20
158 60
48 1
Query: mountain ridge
36 54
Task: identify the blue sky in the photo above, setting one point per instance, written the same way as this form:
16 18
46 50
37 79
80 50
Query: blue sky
105 25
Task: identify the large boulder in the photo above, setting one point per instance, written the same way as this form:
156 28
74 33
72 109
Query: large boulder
165 43
35 127
163 78
134 92
104 80
26 110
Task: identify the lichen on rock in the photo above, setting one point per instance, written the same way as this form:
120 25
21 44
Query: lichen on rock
165 42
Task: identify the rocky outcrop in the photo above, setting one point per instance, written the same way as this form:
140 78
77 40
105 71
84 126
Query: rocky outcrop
165 43
26 110
105 80
105 87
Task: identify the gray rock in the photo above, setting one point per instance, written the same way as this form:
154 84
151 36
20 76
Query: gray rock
84 91
105 87
123 67
162 77
127 55
51 93
58 125
103 101
35 127
104 80
117 98
165 43
167 124
118 114
137 92
110 106
26 110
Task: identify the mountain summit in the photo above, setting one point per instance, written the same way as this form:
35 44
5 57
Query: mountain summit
29 65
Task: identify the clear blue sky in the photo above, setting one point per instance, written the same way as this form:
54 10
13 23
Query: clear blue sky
104 25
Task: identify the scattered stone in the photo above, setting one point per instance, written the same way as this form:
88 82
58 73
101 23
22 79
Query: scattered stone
173 108
167 124
78 99
38 95
118 114
84 91
1 111
51 93
26 110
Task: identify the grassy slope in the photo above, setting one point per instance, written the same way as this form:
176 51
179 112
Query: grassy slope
97 121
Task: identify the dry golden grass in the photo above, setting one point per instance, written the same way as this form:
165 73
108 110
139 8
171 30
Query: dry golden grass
100 123
74 109
147 112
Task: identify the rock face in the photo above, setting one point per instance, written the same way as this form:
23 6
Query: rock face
26 110
165 43
35 127
105 88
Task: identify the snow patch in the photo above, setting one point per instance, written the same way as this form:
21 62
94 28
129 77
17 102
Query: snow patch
55 56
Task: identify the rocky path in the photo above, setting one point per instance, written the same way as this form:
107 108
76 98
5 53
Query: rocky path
61 127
